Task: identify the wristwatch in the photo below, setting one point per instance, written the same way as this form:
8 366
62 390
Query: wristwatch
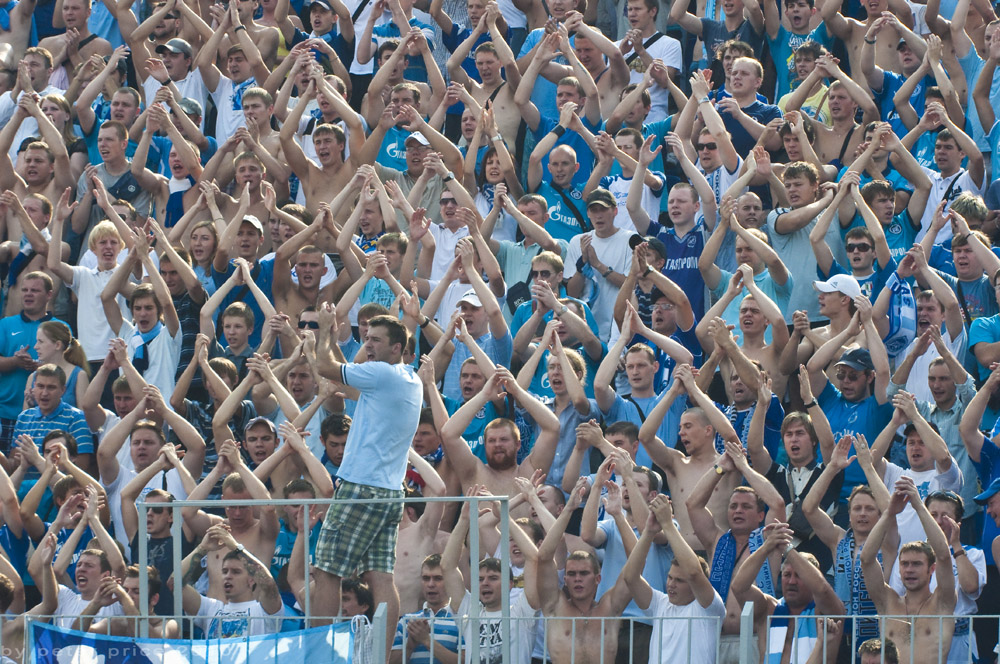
240 548
719 470
562 310
607 272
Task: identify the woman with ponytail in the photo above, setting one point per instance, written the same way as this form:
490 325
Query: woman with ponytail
55 344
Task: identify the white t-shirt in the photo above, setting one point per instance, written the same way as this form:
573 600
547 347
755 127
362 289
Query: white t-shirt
191 86
29 126
941 186
671 637
619 187
224 620
916 383
164 355
70 605
614 252
444 253
664 48
522 630
927 481
95 332
228 98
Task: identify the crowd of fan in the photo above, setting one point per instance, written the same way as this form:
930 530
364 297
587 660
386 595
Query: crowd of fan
262 249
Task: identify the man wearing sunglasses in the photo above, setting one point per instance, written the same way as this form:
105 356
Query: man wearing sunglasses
858 403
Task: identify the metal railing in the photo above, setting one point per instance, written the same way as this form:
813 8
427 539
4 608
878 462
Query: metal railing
963 636
379 644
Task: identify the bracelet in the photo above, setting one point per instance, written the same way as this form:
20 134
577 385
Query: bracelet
580 264
869 41
809 405
498 137
239 27
957 553
648 270
427 321
607 272
704 100
559 130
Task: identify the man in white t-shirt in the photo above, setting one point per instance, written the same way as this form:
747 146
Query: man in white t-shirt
154 337
643 44
689 595
244 65
597 262
932 467
253 603
489 632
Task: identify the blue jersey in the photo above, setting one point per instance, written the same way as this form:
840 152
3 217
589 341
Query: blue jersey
682 264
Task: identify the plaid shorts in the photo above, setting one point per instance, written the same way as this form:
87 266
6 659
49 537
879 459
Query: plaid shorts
359 537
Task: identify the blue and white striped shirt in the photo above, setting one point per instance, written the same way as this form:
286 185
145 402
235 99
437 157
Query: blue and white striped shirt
444 631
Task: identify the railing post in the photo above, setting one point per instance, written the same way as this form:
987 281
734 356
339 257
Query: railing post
143 564
377 634
747 655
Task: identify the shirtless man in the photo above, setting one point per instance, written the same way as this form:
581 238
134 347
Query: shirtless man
492 59
418 534
727 548
577 641
858 34
77 45
836 296
836 144
289 297
322 181
14 40
501 441
45 164
916 565
256 528
698 427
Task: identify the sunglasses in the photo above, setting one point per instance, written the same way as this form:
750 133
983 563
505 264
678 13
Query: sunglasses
707 146
157 510
171 17
448 201
851 376
944 494
544 274
862 247
309 324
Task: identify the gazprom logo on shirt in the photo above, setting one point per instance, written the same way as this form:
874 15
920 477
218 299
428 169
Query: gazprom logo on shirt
396 151
555 214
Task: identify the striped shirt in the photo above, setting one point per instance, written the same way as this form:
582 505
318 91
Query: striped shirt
65 417
444 631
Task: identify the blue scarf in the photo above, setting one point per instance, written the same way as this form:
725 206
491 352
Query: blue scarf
849 584
141 360
724 563
902 316
803 642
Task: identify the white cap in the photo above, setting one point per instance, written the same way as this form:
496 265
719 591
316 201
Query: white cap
471 297
839 283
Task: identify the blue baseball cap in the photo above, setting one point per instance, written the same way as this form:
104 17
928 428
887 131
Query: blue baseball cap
991 490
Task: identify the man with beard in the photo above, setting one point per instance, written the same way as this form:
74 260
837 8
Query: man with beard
918 562
501 439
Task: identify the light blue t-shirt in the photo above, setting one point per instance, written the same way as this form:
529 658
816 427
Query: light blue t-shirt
385 419
655 572
783 51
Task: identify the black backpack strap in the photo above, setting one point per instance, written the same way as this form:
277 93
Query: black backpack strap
646 44
628 397
580 218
